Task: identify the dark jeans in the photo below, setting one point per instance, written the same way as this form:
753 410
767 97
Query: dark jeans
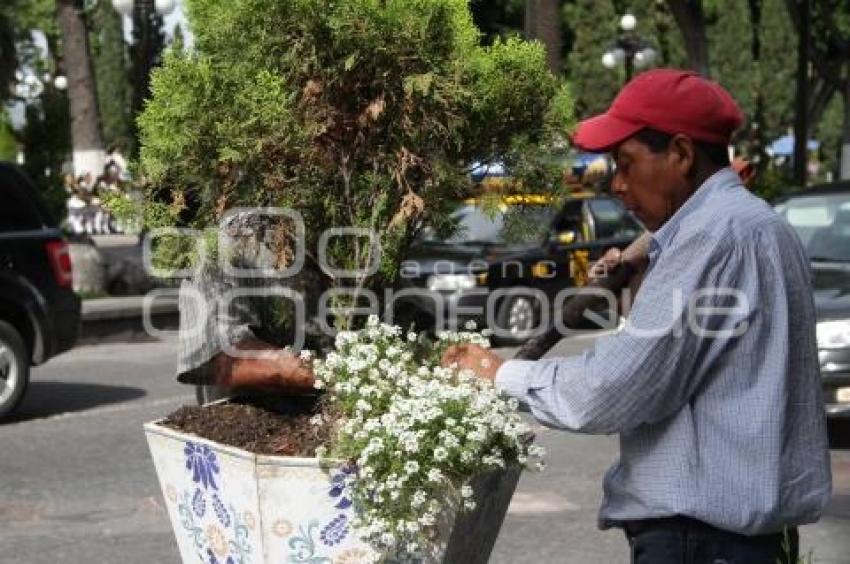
680 540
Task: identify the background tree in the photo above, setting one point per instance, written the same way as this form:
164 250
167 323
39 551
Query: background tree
594 27
498 18
112 73
8 55
543 22
45 138
85 121
690 17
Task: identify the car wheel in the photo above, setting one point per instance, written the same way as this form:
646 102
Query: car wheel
14 368
517 319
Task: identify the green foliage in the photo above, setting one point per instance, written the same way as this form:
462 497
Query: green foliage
730 51
107 47
776 71
46 139
594 24
8 146
362 113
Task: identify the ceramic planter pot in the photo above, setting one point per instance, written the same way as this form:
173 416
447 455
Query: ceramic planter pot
230 506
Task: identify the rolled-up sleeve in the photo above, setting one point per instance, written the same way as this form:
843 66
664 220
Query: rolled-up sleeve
649 369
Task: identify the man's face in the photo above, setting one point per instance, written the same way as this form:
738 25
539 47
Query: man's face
651 185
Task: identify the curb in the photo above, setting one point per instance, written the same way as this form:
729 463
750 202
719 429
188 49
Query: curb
122 320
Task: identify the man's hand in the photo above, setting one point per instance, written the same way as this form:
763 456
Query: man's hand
636 256
483 362
295 373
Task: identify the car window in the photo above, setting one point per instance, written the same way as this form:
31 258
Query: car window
823 224
570 220
17 213
612 221
508 224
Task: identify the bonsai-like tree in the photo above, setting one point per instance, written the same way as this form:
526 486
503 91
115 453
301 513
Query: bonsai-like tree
356 113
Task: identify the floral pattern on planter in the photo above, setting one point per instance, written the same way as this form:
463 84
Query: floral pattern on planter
304 547
220 535
220 511
199 504
335 531
352 556
338 486
282 528
201 461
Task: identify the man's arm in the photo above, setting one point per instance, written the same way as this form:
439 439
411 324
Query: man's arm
269 368
642 374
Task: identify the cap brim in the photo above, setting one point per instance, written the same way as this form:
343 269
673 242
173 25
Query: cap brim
603 132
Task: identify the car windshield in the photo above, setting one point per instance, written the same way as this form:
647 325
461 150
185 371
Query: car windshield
507 225
822 223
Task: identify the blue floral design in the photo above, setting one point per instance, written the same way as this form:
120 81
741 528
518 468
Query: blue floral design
199 504
304 547
338 486
220 511
202 462
335 531
214 560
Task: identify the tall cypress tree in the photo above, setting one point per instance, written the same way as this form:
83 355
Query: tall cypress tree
111 70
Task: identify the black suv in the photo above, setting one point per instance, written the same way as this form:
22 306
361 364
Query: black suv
39 311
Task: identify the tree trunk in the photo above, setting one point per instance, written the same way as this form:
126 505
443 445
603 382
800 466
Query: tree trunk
85 123
801 130
845 132
691 22
543 22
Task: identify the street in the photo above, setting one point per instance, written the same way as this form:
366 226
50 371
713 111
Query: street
78 485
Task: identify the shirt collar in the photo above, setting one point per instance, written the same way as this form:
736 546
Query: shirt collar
662 238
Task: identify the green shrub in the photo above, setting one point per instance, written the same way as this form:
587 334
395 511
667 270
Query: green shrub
364 113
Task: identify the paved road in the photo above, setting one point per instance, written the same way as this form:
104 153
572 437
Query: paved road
77 485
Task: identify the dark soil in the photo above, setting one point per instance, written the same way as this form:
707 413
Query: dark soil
259 424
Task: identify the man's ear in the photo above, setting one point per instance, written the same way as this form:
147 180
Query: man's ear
682 153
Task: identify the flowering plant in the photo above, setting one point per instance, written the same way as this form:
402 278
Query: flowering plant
416 431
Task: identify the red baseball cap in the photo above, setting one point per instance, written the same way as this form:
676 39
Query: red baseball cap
669 100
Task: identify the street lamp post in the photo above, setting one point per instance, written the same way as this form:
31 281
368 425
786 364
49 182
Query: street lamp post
629 49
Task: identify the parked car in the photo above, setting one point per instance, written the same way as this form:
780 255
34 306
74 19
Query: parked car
821 217
513 259
39 311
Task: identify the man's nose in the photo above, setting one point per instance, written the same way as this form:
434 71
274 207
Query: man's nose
618 185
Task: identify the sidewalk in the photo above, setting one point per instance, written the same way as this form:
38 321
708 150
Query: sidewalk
122 319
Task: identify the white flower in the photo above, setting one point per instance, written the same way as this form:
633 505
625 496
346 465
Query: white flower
469 505
318 383
411 467
466 492
317 419
388 539
305 355
470 325
434 475
440 454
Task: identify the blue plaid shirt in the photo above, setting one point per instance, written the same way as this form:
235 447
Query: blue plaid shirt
720 413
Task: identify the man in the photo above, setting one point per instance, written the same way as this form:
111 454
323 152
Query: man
720 416
233 344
